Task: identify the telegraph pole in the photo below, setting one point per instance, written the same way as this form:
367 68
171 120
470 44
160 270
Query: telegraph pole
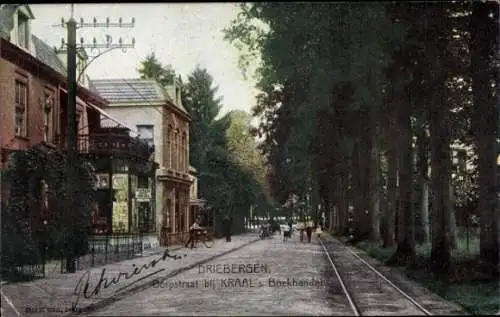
72 129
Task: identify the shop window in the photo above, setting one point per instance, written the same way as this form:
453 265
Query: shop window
142 181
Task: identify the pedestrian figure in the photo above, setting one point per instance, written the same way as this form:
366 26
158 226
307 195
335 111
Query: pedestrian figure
226 224
318 231
309 229
301 226
193 232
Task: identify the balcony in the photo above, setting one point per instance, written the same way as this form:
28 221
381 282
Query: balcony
109 143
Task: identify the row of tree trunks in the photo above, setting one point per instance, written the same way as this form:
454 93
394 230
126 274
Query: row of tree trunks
484 28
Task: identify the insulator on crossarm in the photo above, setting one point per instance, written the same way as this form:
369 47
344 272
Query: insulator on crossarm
107 21
133 42
62 41
95 42
81 21
62 21
120 21
133 21
120 41
95 21
81 40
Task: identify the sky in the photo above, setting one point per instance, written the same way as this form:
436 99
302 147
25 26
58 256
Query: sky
180 34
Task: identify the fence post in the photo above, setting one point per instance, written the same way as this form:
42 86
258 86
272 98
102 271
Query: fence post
44 259
92 253
106 250
141 242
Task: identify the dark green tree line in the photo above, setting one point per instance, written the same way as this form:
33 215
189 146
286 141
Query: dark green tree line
356 100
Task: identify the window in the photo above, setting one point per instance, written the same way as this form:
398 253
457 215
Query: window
184 151
146 133
78 117
22 30
177 95
142 181
47 106
169 146
176 150
20 112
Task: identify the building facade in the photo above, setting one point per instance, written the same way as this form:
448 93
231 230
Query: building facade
159 117
33 112
197 205
33 87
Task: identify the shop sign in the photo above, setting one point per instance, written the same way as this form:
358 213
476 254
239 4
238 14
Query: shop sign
143 194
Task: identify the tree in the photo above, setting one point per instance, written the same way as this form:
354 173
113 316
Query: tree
226 176
243 147
151 68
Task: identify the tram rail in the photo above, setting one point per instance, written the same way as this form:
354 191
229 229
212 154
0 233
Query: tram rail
353 297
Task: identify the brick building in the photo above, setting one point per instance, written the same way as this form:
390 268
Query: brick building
33 86
33 112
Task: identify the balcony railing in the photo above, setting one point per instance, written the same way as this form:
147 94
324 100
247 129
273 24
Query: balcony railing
106 143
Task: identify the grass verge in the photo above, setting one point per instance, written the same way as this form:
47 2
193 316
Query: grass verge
476 296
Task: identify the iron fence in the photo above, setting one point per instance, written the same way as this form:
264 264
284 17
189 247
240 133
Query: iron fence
25 272
105 249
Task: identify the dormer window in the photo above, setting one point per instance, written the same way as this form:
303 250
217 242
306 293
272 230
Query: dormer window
23 30
177 94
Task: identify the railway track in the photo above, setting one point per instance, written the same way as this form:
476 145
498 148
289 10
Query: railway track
368 291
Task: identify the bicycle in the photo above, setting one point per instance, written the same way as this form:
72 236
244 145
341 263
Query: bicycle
206 237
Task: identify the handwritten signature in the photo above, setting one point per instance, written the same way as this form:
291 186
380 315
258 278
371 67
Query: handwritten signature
83 286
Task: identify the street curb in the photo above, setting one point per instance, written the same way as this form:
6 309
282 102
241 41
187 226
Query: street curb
108 301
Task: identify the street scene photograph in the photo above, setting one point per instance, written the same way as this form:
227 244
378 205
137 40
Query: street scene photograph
250 159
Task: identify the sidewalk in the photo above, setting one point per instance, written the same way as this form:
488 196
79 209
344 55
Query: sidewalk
53 268
54 295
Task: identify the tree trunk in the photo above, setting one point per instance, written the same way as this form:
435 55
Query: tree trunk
375 191
337 223
440 169
423 169
424 210
405 251
452 220
392 186
484 31
361 227
343 204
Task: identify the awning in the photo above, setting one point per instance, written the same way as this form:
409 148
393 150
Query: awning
197 202
103 113
109 117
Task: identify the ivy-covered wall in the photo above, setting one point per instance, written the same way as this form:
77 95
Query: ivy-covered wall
36 218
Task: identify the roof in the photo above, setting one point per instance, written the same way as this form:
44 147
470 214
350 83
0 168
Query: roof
47 54
131 90
44 52
128 90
